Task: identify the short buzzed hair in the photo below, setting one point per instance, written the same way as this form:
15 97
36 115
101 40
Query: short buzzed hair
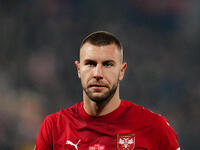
103 38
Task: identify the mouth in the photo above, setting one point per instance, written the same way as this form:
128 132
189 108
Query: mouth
97 86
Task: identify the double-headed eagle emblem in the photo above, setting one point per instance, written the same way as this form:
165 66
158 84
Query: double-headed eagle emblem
126 141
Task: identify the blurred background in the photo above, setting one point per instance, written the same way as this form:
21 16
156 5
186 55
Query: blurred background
39 42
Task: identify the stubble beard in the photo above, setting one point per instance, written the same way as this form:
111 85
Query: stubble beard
105 97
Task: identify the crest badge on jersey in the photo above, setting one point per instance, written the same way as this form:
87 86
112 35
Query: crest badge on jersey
126 141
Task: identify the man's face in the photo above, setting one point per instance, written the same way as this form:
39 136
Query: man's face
100 70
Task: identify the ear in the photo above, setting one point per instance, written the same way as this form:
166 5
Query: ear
122 71
77 67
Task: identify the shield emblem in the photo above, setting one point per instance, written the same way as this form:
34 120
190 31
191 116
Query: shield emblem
125 141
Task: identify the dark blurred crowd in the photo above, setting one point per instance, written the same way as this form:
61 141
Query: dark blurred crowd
39 42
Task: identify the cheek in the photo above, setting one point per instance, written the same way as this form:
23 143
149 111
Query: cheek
113 76
84 75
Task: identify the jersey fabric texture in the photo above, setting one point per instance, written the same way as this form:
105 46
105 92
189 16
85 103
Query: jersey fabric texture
128 127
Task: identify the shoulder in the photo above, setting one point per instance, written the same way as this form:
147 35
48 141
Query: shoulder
158 123
62 114
52 126
163 133
144 114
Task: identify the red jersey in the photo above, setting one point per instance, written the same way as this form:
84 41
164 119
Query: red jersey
128 127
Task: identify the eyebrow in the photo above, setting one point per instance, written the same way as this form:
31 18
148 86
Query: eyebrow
111 61
90 60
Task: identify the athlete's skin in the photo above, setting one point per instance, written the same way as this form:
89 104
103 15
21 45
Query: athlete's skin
100 70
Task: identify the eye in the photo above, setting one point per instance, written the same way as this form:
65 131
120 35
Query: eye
108 64
90 63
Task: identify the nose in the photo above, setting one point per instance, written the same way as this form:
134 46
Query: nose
98 73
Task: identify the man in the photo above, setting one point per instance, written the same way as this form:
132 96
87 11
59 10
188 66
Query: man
103 121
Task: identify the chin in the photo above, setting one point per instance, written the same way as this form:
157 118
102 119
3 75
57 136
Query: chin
100 99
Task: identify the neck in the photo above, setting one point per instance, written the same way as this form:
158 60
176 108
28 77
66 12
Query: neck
101 108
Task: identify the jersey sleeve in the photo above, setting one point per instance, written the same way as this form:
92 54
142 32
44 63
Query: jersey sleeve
44 138
168 138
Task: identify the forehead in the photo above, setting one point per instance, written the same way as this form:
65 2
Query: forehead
105 52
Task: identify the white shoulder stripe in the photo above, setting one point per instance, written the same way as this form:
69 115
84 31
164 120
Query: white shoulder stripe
178 148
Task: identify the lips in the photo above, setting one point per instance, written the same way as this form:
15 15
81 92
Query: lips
98 86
